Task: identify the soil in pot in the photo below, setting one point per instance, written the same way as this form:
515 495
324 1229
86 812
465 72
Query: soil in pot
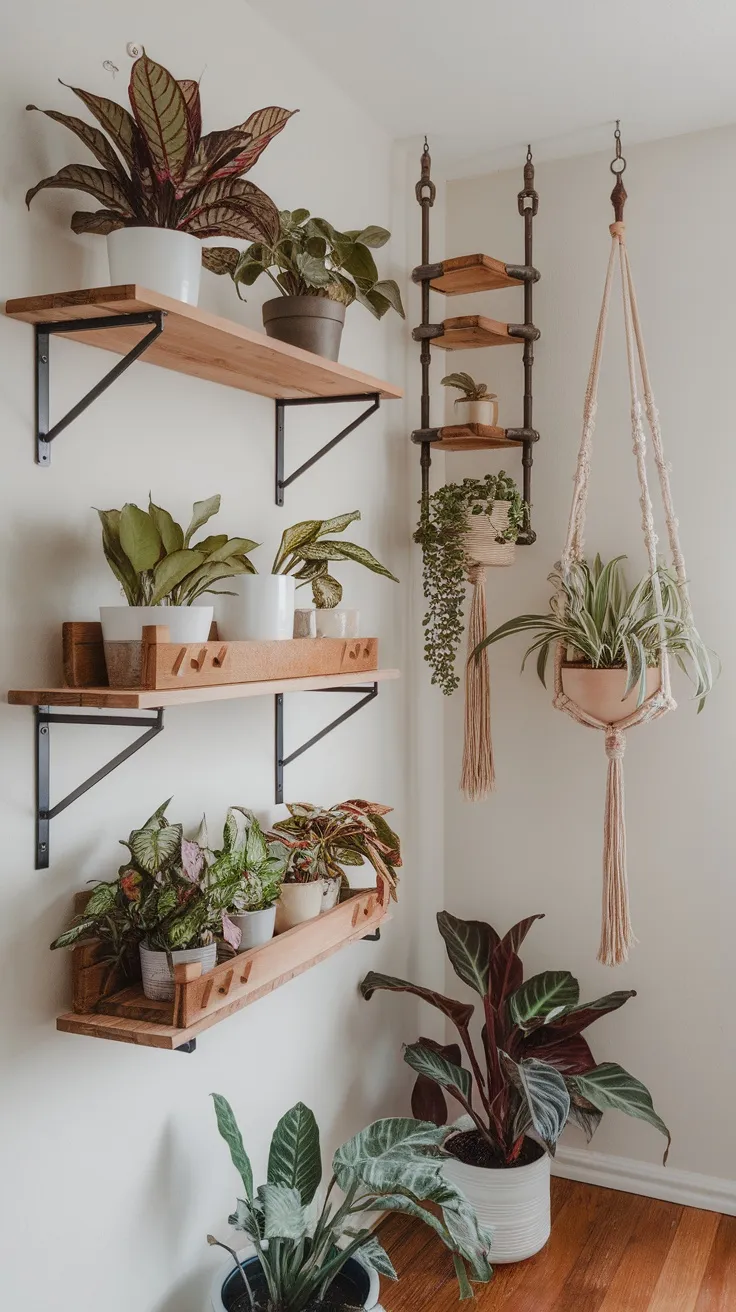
347 1293
472 1149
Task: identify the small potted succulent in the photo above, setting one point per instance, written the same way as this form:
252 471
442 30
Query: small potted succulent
322 842
303 1253
256 862
163 186
476 405
317 271
535 1073
162 573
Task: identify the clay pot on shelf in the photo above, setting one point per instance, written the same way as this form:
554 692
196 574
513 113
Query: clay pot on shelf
320 622
314 323
484 411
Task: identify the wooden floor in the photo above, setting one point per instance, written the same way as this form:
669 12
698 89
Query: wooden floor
609 1252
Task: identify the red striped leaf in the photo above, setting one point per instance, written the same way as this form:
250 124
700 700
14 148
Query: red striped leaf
117 122
162 115
93 139
190 92
96 182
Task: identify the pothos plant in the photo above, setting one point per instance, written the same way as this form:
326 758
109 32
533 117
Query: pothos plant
159 170
441 534
307 551
535 1071
393 1165
321 842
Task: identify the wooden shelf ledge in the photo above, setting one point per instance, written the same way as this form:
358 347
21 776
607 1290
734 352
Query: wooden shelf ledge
471 330
473 273
472 437
201 344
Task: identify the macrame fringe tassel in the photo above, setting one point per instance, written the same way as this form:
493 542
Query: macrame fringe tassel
617 936
478 777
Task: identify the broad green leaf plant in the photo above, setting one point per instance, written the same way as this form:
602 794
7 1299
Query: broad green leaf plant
301 1246
536 1071
251 864
322 841
308 257
601 622
155 560
308 551
159 170
466 384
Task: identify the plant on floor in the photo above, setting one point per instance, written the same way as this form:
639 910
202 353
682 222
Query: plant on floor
157 564
321 842
600 622
536 1071
393 1165
159 171
311 258
307 553
471 391
251 863
441 534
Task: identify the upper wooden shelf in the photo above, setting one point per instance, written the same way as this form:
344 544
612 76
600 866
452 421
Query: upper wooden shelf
202 344
473 273
139 699
471 330
472 437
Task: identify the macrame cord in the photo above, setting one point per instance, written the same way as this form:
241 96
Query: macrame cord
482 549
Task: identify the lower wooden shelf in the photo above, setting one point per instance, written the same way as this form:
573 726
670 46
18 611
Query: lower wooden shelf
472 437
125 1015
471 330
472 273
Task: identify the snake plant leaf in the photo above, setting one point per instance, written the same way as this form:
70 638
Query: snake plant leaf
338 524
372 1255
116 557
161 112
459 1013
173 570
543 996
326 592
155 849
430 1063
293 538
294 1158
469 945
388 288
201 512
610 1086
139 538
220 259
98 222
283 1214
95 182
171 533
93 139
243 198
75 932
228 1127
246 219
190 91
545 1094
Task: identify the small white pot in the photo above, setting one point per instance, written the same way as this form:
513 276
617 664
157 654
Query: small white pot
222 1274
336 623
161 259
298 902
158 981
261 609
256 927
330 893
513 1203
601 692
122 632
477 412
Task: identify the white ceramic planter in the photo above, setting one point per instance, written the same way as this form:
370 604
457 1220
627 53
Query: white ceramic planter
158 981
514 1204
161 259
330 893
256 927
371 1303
600 692
318 622
298 902
477 412
261 609
122 631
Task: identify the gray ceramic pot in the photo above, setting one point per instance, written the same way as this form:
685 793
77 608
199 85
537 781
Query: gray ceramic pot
313 322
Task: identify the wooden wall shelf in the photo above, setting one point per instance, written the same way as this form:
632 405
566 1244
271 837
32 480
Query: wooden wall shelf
125 1015
473 330
472 273
473 437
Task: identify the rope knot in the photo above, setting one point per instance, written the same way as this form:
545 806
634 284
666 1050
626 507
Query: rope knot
476 573
618 229
615 743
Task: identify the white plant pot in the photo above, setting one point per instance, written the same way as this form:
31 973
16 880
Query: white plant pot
122 633
161 259
513 1203
158 981
261 609
256 927
298 902
371 1303
330 893
601 692
477 412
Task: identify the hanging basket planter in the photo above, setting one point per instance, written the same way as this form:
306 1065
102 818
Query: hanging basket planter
602 694
485 542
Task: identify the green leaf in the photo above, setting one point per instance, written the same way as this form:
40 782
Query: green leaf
259 128
243 198
171 533
584 1114
98 222
294 1158
372 236
389 289
543 995
295 537
158 819
72 935
155 849
338 524
390 1155
139 538
221 259
313 270
228 1127
101 899
230 547
283 1214
249 220
116 558
357 260
115 119
610 1086
171 571
372 1255
343 551
95 182
466 1289
201 512
469 946
431 1064
459 1013
326 592
93 139
160 109
545 1095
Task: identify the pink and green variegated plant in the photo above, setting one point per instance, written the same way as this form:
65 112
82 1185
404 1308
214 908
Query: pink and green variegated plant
160 171
536 1071
322 841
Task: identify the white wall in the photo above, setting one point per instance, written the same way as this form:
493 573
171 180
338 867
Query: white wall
110 1157
536 844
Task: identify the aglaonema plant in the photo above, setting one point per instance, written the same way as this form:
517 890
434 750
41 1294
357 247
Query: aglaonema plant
393 1165
308 551
535 1071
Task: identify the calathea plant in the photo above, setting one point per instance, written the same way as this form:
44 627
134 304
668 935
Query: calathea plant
159 170
157 564
393 1165
536 1070
321 842
307 551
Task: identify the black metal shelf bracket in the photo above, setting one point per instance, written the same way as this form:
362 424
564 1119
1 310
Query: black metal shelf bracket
282 761
45 434
45 717
283 482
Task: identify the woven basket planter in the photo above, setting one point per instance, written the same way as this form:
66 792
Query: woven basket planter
481 545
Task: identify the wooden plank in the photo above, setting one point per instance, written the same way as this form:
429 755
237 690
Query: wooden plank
718 1287
140 699
201 344
83 655
472 437
470 330
644 1256
678 1286
175 665
473 273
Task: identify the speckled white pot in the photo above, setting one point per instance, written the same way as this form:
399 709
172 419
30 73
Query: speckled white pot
158 981
513 1204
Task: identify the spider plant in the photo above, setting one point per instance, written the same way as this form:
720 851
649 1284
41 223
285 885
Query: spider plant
603 624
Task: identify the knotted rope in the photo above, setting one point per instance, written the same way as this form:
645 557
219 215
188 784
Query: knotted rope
478 776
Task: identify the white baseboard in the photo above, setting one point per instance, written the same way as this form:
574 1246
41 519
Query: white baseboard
709 1192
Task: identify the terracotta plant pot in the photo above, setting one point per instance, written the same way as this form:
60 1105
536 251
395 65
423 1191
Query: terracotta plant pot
514 1203
600 693
298 902
314 323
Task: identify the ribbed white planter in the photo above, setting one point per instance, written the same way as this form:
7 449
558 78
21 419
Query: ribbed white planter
158 981
482 531
256 927
161 259
514 1204
298 902
262 608
371 1303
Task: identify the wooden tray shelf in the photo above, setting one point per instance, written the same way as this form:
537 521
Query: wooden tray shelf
472 437
202 344
472 273
471 330
201 1001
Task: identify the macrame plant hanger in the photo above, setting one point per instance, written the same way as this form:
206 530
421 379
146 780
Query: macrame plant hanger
617 936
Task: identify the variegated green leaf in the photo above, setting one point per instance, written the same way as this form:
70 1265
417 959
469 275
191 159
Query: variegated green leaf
261 127
114 118
283 1214
101 899
372 1255
545 1094
394 1154
294 1158
326 591
220 259
295 537
339 523
95 182
228 1127
610 1086
155 849
160 109
434 1066
543 996
469 946
82 929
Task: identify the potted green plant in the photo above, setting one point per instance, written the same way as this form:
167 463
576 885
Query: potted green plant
535 1073
255 864
476 405
263 606
163 185
166 907
298 1256
322 842
613 637
162 573
317 271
